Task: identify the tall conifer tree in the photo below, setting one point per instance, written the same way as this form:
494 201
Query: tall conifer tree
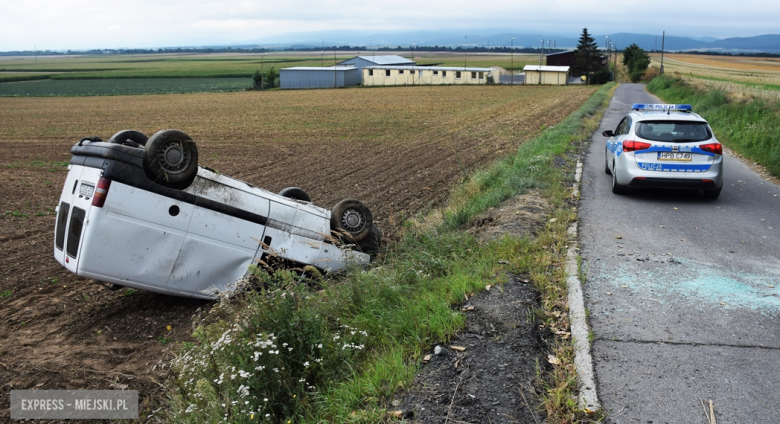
586 55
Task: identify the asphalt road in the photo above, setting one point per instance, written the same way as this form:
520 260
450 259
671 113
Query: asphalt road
683 293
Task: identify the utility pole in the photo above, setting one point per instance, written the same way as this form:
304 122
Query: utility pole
615 64
512 67
335 76
464 53
541 54
262 73
663 38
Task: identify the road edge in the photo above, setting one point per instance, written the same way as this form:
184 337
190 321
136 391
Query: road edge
583 361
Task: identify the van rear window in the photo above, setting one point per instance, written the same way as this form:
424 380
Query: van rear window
673 131
74 231
62 222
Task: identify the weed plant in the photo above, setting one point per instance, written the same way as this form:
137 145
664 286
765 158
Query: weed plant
750 128
306 349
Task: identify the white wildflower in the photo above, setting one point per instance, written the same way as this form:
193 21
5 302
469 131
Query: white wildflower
243 391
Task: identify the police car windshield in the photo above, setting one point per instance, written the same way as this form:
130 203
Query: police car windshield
673 131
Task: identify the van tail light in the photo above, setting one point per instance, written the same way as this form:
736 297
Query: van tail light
716 148
632 146
99 199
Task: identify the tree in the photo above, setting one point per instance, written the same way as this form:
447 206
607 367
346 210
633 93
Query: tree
636 60
586 55
257 80
271 77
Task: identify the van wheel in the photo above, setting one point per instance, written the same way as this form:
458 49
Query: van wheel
373 242
295 193
351 220
130 138
171 159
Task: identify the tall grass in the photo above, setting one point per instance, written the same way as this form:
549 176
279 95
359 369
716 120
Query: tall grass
750 128
343 345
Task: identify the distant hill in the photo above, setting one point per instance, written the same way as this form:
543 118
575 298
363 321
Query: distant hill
486 37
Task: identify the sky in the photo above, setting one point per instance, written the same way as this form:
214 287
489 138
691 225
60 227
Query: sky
88 24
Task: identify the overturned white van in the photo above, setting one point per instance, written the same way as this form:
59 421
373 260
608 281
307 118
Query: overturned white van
137 212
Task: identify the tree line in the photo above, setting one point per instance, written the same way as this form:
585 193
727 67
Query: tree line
286 49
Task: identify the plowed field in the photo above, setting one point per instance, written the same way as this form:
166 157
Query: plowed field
398 149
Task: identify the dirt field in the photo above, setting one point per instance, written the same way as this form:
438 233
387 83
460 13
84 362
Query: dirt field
397 149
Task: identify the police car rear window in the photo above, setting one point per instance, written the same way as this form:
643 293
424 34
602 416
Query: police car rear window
673 131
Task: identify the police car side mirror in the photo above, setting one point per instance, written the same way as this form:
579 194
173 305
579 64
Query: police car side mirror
608 133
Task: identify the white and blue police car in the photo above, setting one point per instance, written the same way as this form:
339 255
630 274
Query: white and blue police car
664 146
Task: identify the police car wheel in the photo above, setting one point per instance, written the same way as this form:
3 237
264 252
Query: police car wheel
711 194
171 159
606 165
616 188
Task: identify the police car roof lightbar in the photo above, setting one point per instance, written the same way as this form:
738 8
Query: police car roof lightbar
666 108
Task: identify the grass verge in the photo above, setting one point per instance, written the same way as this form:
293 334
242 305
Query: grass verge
337 349
750 129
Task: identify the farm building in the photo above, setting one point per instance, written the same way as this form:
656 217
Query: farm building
546 75
411 75
313 77
567 59
387 60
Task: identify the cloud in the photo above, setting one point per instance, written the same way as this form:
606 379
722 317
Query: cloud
77 24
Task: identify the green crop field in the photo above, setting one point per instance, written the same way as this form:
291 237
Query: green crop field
189 73
123 86
162 65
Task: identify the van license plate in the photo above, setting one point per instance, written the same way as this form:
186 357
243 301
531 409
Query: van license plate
674 156
86 190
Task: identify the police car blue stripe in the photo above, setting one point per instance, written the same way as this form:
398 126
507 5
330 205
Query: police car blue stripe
672 167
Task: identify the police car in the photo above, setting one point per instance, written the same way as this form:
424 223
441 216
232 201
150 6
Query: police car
664 146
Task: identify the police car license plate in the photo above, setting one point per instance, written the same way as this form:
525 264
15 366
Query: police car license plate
673 156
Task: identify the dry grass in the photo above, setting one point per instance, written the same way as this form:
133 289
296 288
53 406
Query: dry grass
743 78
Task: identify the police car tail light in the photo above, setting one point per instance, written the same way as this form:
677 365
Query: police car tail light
99 199
716 148
632 146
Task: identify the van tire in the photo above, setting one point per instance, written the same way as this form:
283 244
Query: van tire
130 138
171 159
295 193
373 242
351 220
